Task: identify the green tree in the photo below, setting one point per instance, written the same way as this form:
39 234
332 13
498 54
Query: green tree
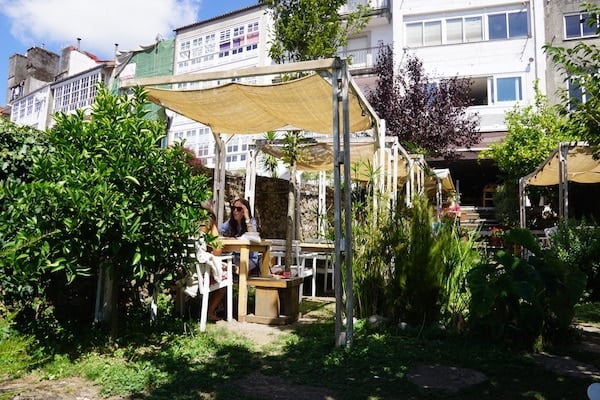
20 145
107 199
307 30
580 65
311 29
268 161
428 116
534 131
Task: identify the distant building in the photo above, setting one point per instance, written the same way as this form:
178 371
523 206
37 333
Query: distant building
66 84
27 73
566 26
238 39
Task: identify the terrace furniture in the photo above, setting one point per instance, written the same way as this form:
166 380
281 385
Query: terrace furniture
206 273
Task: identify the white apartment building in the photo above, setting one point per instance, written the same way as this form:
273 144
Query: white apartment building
235 40
32 109
74 87
495 43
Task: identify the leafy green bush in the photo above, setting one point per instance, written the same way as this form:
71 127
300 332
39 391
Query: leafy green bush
520 300
578 244
417 276
108 199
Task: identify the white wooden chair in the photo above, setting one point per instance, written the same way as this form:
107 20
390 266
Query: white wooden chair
206 273
298 267
322 264
326 268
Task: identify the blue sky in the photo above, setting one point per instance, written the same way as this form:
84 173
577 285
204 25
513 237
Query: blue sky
55 24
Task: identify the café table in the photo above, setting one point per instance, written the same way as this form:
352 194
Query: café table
244 247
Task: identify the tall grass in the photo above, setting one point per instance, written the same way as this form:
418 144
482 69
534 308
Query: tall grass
406 270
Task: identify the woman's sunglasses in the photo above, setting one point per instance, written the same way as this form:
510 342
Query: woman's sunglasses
238 209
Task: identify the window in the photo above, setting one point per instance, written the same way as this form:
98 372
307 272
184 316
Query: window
78 93
29 106
473 29
454 30
424 34
432 33
414 35
577 93
505 25
578 26
488 90
508 25
509 89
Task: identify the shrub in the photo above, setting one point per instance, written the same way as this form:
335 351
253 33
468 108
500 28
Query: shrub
578 244
519 301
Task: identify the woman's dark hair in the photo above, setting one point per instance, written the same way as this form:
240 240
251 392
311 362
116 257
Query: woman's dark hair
212 217
234 227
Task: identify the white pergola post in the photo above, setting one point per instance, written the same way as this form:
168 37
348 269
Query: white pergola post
219 178
250 184
322 206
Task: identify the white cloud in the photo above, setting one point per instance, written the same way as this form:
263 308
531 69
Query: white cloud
99 24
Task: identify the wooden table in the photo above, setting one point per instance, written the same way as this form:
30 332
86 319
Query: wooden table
277 300
244 247
317 247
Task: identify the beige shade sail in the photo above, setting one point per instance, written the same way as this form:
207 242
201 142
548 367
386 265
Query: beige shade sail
441 176
570 162
318 156
580 164
236 108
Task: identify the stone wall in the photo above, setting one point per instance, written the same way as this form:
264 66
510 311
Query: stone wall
271 204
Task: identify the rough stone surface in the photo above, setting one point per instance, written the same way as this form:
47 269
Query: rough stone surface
444 377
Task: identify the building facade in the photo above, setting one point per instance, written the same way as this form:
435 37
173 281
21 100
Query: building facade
66 84
235 40
565 26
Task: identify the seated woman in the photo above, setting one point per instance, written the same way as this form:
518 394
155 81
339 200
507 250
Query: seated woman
240 221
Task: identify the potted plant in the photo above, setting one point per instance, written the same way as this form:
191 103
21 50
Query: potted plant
496 236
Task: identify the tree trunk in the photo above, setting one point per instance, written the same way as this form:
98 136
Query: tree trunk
114 304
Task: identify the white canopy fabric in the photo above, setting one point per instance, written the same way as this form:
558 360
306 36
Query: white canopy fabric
570 162
580 163
236 108
441 175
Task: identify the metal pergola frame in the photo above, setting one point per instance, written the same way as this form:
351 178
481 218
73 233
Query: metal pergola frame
337 70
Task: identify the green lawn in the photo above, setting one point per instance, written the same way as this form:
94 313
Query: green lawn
166 364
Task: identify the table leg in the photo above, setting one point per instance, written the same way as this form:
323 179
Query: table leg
243 287
265 265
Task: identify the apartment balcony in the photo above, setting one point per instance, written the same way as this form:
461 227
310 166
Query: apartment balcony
377 6
380 14
360 61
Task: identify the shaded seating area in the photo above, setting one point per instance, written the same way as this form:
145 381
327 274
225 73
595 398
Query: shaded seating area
570 162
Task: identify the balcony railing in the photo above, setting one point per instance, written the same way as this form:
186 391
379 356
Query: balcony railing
360 58
377 6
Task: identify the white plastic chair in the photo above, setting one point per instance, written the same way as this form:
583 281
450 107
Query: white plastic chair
202 266
298 267
324 267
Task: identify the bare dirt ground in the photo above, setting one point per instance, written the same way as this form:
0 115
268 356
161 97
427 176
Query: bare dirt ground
448 378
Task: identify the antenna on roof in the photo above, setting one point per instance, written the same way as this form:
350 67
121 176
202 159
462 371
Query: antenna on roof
116 48
78 42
